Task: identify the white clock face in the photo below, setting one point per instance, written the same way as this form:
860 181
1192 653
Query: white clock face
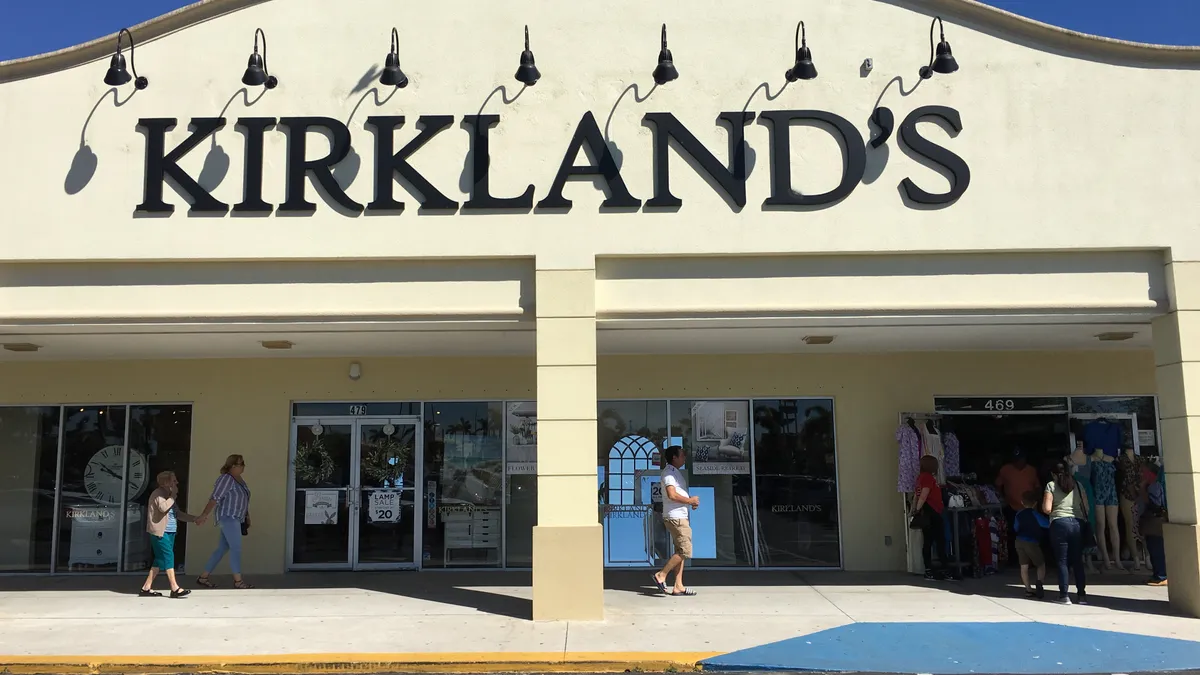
102 477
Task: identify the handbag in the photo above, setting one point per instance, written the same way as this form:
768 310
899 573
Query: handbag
919 520
1087 538
245 529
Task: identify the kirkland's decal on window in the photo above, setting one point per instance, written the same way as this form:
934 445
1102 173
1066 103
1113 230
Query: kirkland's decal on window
728 178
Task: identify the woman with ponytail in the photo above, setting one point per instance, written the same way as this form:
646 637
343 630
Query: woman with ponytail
1068 510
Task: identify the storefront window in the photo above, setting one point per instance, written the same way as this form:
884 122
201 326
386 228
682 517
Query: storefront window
796 483
160 439
463 483
1141 408
520 467
630 436
716 442
29 452
94 491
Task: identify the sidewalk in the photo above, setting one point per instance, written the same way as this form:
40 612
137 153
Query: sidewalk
411 621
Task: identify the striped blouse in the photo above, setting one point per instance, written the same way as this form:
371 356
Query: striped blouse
232 498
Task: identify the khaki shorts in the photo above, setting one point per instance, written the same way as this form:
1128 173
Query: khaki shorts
1029 553
681 536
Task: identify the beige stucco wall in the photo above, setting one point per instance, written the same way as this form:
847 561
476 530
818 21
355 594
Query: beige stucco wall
1065 152
243 406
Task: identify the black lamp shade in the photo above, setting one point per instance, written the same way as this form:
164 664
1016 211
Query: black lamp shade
255 75
117 74
665 71
944 62
804 68
392 76
528 73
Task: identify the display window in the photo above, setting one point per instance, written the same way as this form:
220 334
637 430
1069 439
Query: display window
765 471
76 498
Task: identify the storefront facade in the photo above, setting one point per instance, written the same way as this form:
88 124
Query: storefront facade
450 324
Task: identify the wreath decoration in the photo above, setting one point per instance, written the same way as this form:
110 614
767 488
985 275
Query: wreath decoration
313 462
385 459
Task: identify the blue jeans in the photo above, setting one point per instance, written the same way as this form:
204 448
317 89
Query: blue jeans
1157 548
1066 539
230 540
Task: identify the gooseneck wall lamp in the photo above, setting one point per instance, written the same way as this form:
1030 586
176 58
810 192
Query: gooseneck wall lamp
528 73
665 71
392 76
117 74
942 61
804 68
256 68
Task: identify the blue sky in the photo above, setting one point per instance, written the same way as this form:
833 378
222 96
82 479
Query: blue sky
29 27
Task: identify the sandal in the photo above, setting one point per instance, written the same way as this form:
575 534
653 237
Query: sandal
206 582
687 592
147 593
662 585
242 585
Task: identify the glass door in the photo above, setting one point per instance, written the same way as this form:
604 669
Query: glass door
384 493
354 493
322 501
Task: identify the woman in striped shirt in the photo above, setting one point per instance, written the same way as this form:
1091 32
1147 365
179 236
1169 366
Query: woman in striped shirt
231 499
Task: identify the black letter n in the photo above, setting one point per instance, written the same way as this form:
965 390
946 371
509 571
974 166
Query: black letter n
161 165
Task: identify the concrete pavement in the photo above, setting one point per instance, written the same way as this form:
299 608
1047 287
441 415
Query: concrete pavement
480 618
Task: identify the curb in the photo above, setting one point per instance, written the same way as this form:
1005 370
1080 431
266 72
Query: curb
305 664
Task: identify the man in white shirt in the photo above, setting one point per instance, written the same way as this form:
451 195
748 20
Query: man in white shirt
676 504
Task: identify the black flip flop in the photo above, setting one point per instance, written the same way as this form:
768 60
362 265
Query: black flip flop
662 585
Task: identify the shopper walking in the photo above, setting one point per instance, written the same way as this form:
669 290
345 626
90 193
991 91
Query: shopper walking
162 521
1014 480
1030 526
1153 519
231 499
676 503
1068 511
926 512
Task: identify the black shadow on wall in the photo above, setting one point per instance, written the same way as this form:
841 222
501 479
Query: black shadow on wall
84 163
885 123
615 151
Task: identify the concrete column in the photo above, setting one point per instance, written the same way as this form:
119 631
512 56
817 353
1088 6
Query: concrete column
1177 370
568 550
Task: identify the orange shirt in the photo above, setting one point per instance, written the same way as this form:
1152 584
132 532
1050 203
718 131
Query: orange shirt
1014 483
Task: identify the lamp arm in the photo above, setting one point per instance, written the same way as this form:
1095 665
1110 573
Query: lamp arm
801 35
936 20
526 38
257 32
132 63
395 42
664 36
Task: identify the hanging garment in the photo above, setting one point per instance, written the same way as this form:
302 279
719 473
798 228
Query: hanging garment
910 457
952 453
1103 435
983 542
932 443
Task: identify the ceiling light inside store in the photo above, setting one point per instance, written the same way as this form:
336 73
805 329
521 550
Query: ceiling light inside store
818 339
21 347
1115 337
277 344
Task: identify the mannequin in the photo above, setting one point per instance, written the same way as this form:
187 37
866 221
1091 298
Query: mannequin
1104 491
1083 477
1130 484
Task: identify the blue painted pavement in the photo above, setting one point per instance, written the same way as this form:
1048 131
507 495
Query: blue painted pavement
942 648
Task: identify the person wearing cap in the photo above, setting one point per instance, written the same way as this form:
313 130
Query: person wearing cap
676 504
1015 480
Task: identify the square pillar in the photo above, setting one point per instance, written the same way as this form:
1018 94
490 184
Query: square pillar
1177 372
568 549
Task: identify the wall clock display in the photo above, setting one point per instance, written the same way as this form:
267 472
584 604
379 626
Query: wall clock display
102 476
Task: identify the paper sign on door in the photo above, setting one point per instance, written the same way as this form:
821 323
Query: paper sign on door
383 507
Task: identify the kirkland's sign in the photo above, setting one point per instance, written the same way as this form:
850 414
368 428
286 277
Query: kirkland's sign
729 179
